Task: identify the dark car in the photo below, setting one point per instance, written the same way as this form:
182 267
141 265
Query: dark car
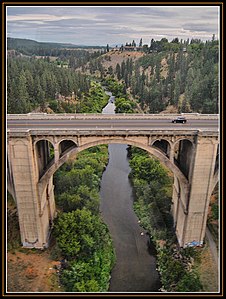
179 119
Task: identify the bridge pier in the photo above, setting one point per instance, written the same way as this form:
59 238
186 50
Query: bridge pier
35 211
190 214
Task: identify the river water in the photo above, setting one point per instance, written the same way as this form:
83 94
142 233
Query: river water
135 268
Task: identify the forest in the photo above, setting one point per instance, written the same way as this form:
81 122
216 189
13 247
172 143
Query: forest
179 74
185 76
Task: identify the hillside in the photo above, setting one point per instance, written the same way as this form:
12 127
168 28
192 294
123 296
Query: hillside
113 57
32 47
166 74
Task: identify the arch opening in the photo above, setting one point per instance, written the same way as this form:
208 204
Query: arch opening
65 146
77 178
151 150
183 153
162 145
45 156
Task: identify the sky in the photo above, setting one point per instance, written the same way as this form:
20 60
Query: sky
113 25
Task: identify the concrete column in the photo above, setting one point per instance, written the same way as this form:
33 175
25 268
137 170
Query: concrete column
34 224
194 223
171 154
56 152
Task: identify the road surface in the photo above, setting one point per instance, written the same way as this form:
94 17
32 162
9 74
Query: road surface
133 124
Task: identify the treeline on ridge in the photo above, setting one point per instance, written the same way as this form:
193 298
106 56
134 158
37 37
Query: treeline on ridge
186 78
183 75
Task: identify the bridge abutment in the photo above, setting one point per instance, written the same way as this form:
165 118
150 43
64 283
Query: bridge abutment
35 212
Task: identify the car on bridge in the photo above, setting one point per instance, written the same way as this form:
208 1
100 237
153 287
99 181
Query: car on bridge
180 119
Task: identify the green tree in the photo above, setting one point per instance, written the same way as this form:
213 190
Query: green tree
177 88
77 233
189 282
39 94
118 71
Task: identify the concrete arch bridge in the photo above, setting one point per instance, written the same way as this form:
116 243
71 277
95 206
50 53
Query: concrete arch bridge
38 144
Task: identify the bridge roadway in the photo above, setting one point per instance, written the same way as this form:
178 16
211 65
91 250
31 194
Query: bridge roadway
106 122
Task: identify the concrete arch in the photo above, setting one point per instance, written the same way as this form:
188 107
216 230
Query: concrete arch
44 139
65 145
183 138
159 139
168 144
177 142
73 139
154 152
183 151
43 159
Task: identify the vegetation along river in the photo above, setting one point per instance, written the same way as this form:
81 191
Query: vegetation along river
135 268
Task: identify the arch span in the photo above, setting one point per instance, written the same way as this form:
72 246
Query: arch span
152 151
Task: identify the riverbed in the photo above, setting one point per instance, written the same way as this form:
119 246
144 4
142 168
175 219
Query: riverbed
135 268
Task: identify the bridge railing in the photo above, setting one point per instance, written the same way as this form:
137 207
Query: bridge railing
109 116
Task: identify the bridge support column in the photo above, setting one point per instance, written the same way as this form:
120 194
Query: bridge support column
171 155
56 153
192 213
34 211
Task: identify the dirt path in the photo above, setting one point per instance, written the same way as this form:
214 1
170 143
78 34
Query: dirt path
31 271
212 246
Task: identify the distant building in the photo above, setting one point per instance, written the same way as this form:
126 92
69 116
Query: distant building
13 53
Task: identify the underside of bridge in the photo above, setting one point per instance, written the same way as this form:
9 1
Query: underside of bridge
32 161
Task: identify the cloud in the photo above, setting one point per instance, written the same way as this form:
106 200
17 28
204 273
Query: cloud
198 27
99 25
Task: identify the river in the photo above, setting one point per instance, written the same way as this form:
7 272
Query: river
135 268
